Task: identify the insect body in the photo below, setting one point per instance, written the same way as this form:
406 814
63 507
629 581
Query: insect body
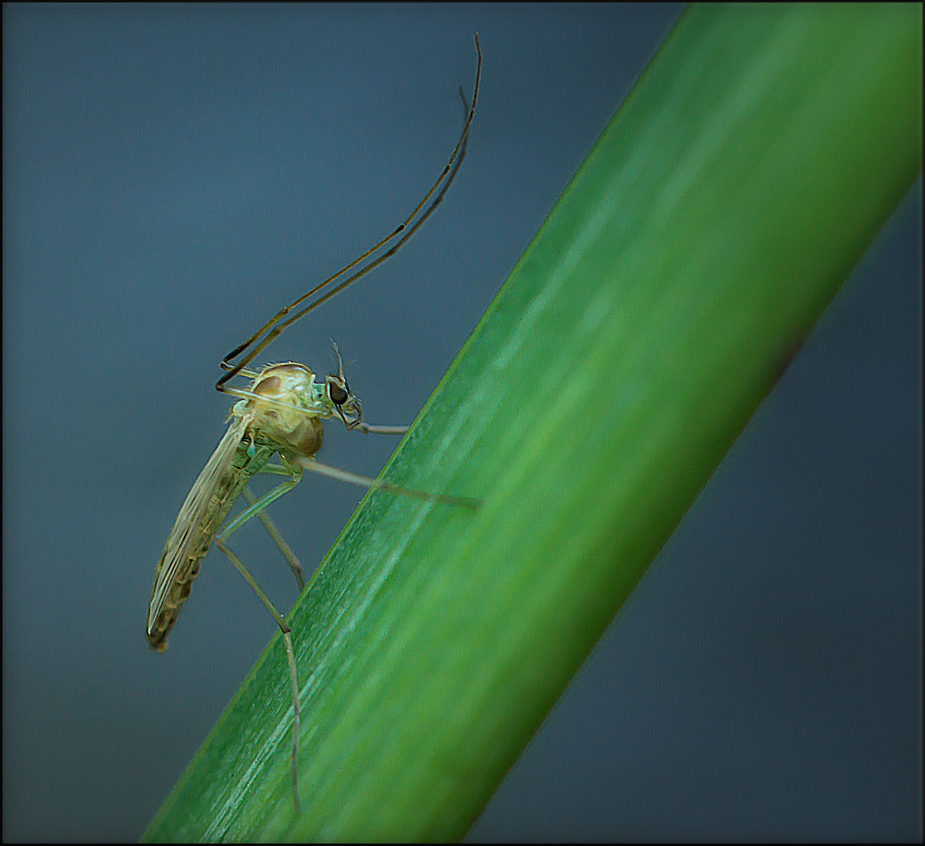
280 411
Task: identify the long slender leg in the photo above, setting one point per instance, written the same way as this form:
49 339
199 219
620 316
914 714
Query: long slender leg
293 471
255 509
290 659
255 344
291 558
369 482
366 429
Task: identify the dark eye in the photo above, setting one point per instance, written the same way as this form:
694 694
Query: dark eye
337 393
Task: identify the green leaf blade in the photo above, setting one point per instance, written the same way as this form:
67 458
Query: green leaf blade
719 212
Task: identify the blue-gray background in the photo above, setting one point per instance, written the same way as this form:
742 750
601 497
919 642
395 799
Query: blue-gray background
171 176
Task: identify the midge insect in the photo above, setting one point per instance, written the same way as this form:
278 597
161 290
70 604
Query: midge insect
280 411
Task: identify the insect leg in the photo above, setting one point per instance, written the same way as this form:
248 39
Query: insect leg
255 509
291 558
293 471
290 659
378 484
263 336
367 429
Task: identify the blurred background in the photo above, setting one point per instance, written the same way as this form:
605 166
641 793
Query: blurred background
175 174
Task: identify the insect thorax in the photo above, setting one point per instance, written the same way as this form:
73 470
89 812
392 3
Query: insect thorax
287 407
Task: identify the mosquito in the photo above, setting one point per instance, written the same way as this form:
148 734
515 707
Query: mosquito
280 412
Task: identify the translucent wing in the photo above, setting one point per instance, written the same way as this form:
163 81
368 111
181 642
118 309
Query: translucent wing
189 539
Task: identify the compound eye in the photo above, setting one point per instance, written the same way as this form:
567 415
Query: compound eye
337 393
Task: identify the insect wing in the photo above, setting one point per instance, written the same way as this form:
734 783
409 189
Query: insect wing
189 539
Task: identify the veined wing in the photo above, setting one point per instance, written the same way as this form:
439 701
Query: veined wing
202 512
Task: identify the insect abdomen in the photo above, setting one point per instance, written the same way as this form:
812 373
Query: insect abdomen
228 488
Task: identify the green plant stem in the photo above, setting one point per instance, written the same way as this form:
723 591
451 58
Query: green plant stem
727 200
